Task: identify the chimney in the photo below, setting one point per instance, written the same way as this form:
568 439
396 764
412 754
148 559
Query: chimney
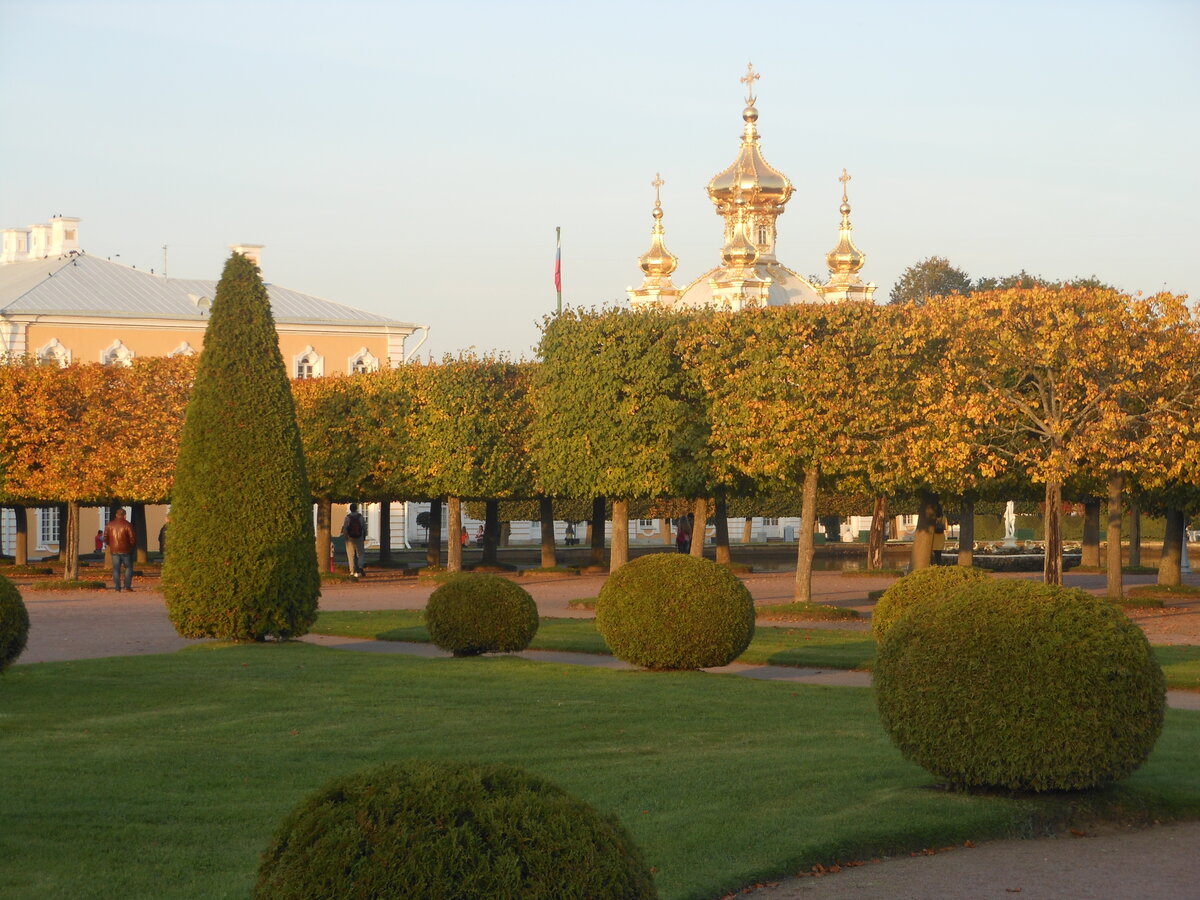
252 252
64 235
15 247
39 241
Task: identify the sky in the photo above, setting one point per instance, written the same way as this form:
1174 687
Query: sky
414 159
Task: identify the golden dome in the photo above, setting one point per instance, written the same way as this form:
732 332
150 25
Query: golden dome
658 261
750 176
845 259
738 251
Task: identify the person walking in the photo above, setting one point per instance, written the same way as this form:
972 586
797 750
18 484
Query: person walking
122 541
354 530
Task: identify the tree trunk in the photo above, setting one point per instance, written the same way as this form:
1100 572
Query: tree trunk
138 520
491 533
1052 568
664 530
546 514
877 536
454 544
1091 533
721 522
21 536
805 545
1170 564
748 529
385 533
620 535
68 544
505 533
324 534
433 553
1135 532
1115 484
966 532
596 532
922 548
699 525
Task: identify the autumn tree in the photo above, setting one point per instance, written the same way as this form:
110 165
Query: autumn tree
793 396
243 563
1062 381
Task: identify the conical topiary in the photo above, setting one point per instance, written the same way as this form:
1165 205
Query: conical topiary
243 563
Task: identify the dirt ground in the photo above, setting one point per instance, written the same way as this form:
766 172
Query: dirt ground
1156 863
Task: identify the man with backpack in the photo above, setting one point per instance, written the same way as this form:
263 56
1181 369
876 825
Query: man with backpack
354 530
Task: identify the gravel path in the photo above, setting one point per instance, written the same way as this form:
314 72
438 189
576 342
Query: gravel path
1161 862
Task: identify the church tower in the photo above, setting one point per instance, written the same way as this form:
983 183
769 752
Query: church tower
845 261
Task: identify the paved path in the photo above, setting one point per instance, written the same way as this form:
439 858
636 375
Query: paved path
1145 865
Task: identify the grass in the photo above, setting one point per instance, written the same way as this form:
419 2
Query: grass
1164 590
166 775
67 584
26 570
801 610
809 648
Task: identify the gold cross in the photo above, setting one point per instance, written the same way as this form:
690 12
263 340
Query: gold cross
656 184
844 179
748 80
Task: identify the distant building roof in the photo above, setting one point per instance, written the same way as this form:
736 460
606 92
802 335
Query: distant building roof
79 284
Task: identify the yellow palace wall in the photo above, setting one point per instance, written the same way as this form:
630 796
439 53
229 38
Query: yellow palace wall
88 341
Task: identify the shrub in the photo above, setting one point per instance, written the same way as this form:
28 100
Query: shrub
1019 685
932 583
14 623
243 562
473 614
670 611
450 830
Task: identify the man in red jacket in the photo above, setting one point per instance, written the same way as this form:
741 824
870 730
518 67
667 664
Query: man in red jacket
121 540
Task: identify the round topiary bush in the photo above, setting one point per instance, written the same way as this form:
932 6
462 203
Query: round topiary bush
450 830
670 611
1019 685
473 614
14 623
916 587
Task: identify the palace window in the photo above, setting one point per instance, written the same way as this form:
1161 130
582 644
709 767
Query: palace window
764 235
309 363
769 521
48 526
54 354
117 354
646 523
362 361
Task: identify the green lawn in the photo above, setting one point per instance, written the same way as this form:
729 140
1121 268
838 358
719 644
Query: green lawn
818 648
165 775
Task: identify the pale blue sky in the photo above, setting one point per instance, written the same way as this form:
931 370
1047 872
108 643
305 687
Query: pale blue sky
414 158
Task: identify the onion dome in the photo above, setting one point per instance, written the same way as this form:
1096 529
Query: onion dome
845 259
750 177
738 250
658 261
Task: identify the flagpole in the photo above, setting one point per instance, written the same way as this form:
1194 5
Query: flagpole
558 265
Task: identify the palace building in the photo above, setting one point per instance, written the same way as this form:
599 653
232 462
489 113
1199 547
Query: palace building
62 305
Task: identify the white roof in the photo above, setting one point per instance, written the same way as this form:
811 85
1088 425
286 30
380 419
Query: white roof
87 285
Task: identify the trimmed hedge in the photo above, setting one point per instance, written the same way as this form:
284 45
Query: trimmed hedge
932 583
450 830
671 611
1020 685
472 614
14 623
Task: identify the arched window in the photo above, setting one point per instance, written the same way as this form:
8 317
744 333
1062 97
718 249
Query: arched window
764 235
362 361
54 354
116 354
309 363
184 349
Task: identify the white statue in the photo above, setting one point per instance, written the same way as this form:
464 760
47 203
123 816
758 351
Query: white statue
1010 521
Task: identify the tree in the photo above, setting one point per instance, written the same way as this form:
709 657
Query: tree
617 415
932 277
243 562
1064 382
